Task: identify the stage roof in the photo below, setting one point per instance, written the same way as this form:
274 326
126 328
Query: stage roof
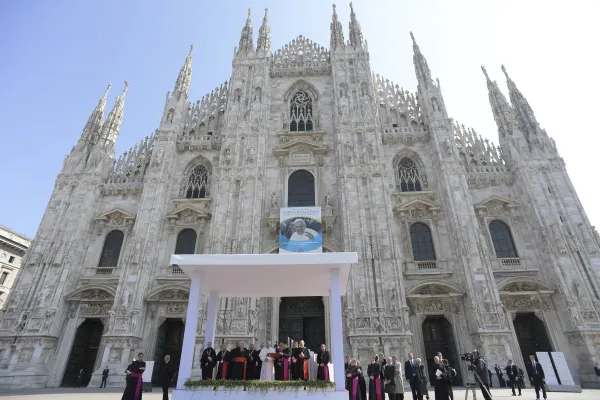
267 275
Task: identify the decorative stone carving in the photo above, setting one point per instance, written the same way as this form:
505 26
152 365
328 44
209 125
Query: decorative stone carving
115 355
173 295
520 287
432 290
253 321
114 219
362 300
41 297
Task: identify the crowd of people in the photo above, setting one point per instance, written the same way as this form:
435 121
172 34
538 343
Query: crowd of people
384 375
280 363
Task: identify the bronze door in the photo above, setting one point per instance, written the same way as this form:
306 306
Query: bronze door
302 318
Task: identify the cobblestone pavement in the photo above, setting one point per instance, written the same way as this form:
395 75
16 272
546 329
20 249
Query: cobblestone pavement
109 394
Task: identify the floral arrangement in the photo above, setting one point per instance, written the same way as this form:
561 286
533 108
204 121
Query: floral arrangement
261 386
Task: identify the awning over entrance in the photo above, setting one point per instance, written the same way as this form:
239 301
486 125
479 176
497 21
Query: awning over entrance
260 275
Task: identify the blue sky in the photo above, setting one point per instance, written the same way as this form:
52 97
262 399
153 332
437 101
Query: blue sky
58 56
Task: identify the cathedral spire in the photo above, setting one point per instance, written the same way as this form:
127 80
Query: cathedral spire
337 34
503 112
264 36
421 67
110 129
356 36
94 122
182 85
521 106
246 42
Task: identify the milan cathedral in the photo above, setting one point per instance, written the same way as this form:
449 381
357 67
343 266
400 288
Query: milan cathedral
462 244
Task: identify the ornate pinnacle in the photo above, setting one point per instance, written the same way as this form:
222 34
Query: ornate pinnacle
246 44
356 36
485 73
182 85
337 34
421 67
264 35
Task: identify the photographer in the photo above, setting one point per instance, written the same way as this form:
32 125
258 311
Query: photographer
480 370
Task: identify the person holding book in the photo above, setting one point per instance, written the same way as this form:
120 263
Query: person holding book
266 356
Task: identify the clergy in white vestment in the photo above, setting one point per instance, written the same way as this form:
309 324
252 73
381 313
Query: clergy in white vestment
267 371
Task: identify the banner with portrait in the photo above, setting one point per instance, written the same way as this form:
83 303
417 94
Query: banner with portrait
300 230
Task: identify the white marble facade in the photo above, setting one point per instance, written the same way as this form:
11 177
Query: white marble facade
383 159
12 249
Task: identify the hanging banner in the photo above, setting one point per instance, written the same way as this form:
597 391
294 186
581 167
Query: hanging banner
300 230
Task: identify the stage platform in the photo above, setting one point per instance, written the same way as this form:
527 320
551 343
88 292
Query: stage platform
259 275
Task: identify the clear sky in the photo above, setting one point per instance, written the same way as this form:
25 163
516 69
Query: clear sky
58 56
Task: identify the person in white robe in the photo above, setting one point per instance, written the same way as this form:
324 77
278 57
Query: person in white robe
301 232
267 369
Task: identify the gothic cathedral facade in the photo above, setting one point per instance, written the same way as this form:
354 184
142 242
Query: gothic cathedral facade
461 244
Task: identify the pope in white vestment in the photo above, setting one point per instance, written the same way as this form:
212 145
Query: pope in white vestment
267 369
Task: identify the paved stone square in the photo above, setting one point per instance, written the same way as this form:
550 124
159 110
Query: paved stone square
98 394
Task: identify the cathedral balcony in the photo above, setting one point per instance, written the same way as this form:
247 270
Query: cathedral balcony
171 273
100 275
510 266
407 134
426 268
200 142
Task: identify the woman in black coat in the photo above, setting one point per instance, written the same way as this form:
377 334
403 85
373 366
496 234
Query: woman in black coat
375 387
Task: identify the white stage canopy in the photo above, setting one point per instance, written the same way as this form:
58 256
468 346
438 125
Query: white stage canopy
260 275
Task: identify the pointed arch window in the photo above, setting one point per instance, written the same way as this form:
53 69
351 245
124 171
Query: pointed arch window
186 242
422 242
301 189
408 176
504 244
197 185
301 112
112 249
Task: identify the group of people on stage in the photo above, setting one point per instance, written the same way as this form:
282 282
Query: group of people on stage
267 363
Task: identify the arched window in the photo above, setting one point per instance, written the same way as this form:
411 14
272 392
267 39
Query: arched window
198 184
301 189
408 176
301 118
112 249
502 239
422 242
186 242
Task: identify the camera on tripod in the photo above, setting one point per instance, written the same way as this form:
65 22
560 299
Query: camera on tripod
468 357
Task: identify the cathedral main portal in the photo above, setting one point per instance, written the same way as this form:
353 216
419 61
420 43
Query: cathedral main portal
531 334
168 342
83 352
438 336
302 318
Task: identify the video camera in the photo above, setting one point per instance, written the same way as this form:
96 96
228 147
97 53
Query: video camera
469 357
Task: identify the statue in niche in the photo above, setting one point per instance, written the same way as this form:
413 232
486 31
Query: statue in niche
274 203
392 296
252 321
125 299
41 298
240 306
328 200
362 302
448 147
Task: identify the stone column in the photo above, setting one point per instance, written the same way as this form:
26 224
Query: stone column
337 335
189 336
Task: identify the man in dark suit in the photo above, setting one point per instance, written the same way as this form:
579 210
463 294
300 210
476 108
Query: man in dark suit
597 369
410 370
104 376
536 376
513 376
166 375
